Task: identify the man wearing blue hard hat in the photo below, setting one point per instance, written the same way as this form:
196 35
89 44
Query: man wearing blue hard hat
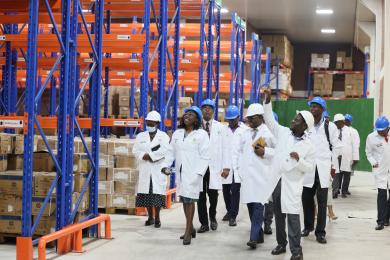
218 169
324 136
355 142
232 183
378 154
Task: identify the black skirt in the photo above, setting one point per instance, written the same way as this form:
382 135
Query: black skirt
149 200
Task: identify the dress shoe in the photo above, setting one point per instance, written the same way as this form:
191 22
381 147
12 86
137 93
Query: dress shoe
149 222
157 224
386 224
344 195
232 222
306 232
297 257
335 196
187 241
379 227
267 230
214 224
279 250
348 193
226 217
193 234
321 239
203 229
252 244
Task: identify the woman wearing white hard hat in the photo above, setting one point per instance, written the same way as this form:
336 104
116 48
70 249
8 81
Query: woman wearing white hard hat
294 157
150 149
254 150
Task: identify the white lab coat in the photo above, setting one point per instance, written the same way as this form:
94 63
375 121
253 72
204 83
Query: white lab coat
356 143
231 137
254 171
325 158
219 154
148 170
291 171
192 157
378 152
346 150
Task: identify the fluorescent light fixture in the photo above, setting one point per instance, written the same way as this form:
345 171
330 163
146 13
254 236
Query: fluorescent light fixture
328 31
324 11
223 10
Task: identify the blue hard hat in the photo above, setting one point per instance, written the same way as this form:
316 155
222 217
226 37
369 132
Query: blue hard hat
276 117
325 114
318 100
381 124
348 117
196 110
208 102
232 112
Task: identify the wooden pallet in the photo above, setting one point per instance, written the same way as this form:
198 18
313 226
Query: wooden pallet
357 96
121 211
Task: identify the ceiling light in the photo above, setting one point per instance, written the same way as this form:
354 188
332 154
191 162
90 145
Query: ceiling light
328 31
324 11
223 10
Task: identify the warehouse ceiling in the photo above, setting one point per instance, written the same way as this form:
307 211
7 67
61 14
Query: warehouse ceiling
298 18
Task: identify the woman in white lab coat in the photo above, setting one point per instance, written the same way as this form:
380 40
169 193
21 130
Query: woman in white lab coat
150 149
190 149
378 154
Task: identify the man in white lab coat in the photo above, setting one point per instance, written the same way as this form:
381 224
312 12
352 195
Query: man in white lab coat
324 136
219 167
254 149
356 145
294 157
345 160
378 154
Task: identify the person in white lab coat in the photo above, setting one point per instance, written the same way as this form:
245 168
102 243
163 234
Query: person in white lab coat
356 145
190 148
345 160
378 154
254 149
324 136
150 149
294 157
219 167
231 184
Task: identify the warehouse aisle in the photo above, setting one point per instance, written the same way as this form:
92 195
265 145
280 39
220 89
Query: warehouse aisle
352 236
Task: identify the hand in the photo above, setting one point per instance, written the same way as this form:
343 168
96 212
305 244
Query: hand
147 157
167 171
225 173
295 156
259 151
375 166
267 95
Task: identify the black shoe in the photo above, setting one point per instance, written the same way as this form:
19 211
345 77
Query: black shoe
149 222
203 229
187 241
297 257
261 239
344 195
348 193
379 227
214 224
193 234
386 224
279 250
335 196
321 239
306 232
226 217
157 224
267 230
252 244
232 222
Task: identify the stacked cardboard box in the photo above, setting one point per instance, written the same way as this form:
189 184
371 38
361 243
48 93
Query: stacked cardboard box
184 102
354 84
281 48
320 61
323 84
343 62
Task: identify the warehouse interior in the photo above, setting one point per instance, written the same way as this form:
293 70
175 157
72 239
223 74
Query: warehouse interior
79 77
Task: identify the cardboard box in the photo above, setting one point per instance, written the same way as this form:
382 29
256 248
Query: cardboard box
10 205
103 146
41 147
106 161
18 144
3 163
79 180
102 174
46 225
122 201
10 226
125 162
42 183
102 201
106 187
124 101
11 183
5 144
81 163
127 188
185 102
43 162
37 203
84 204
125 174
120 147
15 162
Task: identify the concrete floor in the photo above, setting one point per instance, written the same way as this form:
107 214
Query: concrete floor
351 236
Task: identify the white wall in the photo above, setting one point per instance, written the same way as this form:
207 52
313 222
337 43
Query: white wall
385 72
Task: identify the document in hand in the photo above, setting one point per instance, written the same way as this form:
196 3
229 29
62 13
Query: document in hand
260 142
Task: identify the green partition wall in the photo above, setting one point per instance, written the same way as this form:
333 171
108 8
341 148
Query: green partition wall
361 109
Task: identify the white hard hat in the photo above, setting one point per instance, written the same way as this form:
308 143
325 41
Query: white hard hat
308 117
338 117
153 116
255 109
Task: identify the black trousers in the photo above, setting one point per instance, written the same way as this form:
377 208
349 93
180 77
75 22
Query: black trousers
308 206
383 204
202 202
341 181
231 196
268 213
293 224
